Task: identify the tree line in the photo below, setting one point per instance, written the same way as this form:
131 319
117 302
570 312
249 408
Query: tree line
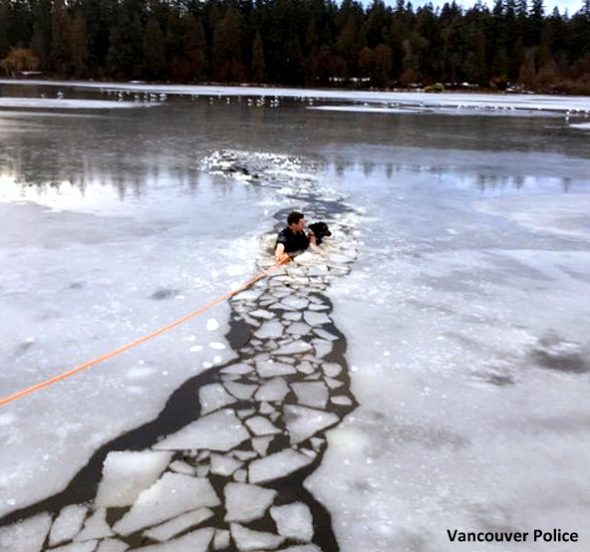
300 42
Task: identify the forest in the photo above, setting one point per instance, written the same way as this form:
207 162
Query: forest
514 44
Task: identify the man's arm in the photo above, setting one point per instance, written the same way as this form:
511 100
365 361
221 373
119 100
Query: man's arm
280 254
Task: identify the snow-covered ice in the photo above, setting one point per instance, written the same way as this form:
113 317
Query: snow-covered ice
218 431
170 496
126 474
248 539
169 529
277 465
293 521
67 524
245 503
303 422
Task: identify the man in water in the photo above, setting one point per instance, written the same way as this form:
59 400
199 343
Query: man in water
293 238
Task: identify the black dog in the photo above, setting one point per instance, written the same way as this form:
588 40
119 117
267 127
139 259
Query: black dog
320 231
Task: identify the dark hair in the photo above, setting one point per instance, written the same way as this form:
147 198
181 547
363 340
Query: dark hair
294 217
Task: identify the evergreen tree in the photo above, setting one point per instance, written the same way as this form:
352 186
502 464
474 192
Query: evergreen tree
258 66
79 46
154 50
226 48
60 58
41 39
195 48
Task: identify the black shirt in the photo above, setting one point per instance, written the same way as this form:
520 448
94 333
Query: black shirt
293 241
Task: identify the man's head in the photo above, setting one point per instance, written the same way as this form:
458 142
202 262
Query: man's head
296 221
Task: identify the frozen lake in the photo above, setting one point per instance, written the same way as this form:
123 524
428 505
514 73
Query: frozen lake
430 373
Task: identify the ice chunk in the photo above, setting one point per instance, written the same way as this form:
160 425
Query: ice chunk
202 471
221 539
259 425
212 324
270 330
260 444
293 521
331 369
96 527
273 390
316 318
318 307
169 529
277 465
217 345
333 383
224 465
112 545
247 539
322 347
240 390
303 422
294 302
68 524
214 396
25 536
298 328
240 368
245 502
323 334
305 367
240 476
269 368
172 495
197 541
218 431
182 467
87 546
263 314
265 408
125 474
245 413
341 400
292 316
244 454
294 348
311 394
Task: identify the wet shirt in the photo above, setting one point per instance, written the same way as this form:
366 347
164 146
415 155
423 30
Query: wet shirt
293 241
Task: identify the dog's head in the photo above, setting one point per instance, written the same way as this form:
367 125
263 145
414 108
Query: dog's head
320 231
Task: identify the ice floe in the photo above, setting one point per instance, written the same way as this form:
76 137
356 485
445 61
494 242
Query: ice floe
171 528
311 394
25 536
218 431
197 541
214 396
224 464
172 495
304 422
293 521
277 465
67 524
259 425
95 527
126 474
245 503
248 539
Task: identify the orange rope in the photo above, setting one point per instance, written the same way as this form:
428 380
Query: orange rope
46 383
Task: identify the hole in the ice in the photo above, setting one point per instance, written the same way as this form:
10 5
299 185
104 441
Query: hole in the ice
562 355
164 293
